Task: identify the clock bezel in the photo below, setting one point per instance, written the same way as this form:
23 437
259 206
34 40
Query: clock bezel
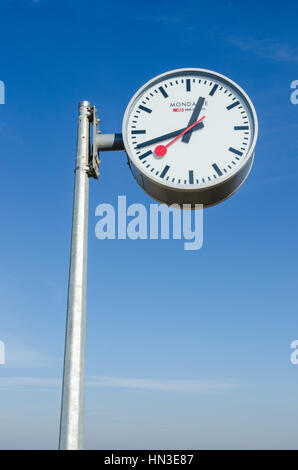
182 72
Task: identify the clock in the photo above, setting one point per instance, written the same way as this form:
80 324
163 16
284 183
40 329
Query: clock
190 136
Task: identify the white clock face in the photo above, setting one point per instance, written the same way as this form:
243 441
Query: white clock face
221 124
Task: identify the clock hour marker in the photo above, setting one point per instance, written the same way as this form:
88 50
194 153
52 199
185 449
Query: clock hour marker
163 92
188 84
213 90
231 149
190 173
143 108
164 171
138 132
241 128
145 155
218 171
231 106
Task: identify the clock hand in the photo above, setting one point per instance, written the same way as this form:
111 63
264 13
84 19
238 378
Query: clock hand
161 150
166 136
193 118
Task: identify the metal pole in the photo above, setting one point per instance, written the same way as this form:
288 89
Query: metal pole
72 409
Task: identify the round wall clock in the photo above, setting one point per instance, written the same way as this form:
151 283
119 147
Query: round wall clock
190 136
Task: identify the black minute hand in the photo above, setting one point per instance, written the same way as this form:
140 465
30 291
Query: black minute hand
193 118
169 135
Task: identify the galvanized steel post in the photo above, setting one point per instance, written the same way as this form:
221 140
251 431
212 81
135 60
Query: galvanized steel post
72 409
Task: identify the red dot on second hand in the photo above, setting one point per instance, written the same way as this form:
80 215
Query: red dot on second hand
160 150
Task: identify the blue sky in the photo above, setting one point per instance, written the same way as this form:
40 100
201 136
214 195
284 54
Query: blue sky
185 349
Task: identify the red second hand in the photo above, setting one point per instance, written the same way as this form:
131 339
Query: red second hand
161 150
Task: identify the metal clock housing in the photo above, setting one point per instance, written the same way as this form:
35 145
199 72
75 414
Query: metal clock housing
190 136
